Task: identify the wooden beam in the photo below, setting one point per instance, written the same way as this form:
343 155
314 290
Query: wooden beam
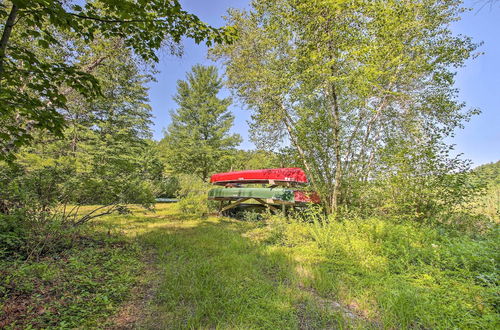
266 204
230 206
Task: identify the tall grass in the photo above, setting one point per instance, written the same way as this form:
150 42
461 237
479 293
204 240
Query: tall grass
400 274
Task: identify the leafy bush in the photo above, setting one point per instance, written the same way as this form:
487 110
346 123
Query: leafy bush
192 194
251 216
420 184
168 187
12 235
489 204
33 236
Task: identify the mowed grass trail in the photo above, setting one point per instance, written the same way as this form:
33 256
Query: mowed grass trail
209 274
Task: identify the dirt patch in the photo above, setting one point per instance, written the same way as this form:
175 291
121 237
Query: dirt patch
18 309
332 304
15 308
350 313
137 307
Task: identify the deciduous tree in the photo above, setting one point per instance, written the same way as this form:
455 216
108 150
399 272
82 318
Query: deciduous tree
339 80
33 85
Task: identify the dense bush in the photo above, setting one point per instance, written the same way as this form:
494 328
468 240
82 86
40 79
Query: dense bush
168 187
489 204
32 236
192 193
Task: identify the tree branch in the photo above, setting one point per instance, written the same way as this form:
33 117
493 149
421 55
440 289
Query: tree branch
6 35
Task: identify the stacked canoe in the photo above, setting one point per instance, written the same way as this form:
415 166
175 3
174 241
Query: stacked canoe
279 186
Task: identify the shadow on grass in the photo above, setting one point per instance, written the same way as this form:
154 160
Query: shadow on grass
212 277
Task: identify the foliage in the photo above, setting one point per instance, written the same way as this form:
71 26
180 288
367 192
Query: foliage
198 139
23 237
422 183
489 203
105 157
34 86
309 269
75 287
489 173
341 80
169 187
192 193
400 273
251 160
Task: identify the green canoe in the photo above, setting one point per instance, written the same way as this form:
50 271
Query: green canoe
276 194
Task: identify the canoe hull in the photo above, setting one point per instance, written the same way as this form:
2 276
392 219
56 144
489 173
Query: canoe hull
293 175
274 195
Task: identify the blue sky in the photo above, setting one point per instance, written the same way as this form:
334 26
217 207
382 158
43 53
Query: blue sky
478 82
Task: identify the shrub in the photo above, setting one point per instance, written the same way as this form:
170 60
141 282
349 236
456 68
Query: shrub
192 193
32 236
251 216
12 235
168 187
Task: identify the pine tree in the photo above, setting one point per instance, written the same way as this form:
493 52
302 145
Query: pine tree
198 139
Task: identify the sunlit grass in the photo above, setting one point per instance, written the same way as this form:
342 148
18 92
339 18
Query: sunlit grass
216 272
390 274
211 275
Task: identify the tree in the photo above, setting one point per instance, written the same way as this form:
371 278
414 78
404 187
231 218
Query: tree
340 80
105 155
34 85
252 160
198 139
108 137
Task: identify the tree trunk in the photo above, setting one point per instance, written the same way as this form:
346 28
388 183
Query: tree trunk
5 37
335 196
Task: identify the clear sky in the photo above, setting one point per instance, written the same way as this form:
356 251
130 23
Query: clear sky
478 82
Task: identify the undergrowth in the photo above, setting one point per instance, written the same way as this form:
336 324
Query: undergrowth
266 271
395 273
79 284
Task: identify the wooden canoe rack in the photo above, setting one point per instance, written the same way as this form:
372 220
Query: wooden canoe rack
269 203
278 187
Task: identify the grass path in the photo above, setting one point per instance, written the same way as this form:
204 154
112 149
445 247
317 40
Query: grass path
210 275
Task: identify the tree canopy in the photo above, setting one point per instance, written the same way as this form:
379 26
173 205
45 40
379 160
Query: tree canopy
104 156
343 81
34 81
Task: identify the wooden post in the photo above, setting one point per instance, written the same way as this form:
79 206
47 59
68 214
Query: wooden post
220 206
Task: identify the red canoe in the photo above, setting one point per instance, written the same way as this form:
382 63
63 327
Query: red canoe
306 197
277 175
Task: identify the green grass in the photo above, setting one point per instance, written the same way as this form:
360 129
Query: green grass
402 274
212 276
220 273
